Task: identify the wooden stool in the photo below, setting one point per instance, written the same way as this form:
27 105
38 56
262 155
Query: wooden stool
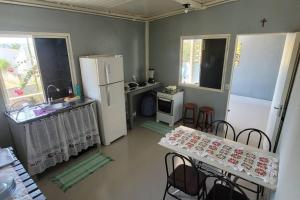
189 120
205 118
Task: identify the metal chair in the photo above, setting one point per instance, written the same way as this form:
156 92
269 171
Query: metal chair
222 128
251 132
224 189
184 176
219 128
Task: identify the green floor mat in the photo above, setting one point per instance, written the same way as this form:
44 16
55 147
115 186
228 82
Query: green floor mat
79 171
157 127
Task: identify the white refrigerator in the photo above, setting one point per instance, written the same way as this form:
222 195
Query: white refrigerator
103 80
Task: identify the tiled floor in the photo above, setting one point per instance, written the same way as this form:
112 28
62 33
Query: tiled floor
137 172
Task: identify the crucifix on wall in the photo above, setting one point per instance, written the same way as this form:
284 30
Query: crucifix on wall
263 22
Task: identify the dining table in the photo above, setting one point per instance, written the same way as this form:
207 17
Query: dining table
244 161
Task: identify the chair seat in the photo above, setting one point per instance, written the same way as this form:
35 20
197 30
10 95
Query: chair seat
191 179
221 192
206 109
190 106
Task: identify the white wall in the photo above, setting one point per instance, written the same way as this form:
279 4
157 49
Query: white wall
289 150
257 72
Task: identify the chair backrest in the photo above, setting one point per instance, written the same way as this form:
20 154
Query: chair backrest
225 182
174 159
253 131
223 128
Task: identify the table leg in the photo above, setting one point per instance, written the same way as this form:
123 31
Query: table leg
130 110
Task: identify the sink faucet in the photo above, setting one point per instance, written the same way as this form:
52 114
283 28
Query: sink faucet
49 100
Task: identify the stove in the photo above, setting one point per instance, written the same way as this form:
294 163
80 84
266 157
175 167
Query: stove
169 106
167 91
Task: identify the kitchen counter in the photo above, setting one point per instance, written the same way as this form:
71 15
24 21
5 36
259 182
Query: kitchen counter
139 90
44 110
45 135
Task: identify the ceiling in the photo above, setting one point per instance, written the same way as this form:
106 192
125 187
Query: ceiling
142 10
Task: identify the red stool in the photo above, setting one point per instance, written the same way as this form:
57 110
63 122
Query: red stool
205 118
189 120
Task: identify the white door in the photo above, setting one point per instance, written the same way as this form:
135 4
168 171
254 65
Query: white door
288 63
110 69
112 112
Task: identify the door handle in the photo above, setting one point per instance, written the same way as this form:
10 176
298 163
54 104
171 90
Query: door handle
108 95
279 110
163 99
106 73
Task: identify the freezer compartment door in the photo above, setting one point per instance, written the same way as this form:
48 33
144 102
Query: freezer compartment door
112 112
89 76
110 69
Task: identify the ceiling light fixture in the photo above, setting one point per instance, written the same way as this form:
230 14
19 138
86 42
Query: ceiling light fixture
186 7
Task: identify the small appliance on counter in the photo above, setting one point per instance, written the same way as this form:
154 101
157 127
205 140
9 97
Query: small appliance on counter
131 85
151 73
142 83
169 105
134 85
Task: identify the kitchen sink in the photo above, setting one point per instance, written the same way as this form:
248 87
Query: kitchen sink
46 108
57 106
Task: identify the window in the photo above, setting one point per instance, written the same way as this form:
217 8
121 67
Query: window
19 71
202 61
237 53
30 63
54 63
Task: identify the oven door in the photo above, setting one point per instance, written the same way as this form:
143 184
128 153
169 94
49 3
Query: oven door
165 105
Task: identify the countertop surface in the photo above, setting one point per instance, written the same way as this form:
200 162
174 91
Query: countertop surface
148 85
30 114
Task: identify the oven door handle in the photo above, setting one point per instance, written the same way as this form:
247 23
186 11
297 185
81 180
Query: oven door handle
162 99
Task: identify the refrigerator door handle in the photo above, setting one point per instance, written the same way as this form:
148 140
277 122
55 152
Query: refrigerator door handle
106 73
107 94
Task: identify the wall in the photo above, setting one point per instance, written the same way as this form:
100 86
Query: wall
289 149
89 35
241 17
257 72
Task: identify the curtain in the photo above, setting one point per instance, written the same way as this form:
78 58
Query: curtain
54 139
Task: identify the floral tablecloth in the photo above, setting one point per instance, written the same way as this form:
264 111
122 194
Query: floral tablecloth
229 154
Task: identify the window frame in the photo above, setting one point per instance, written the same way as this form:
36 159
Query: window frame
212 36
34 35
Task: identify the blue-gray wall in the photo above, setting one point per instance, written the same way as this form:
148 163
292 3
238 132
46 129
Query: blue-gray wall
257 73
241 17
89 35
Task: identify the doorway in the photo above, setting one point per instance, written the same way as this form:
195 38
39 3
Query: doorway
255 73
273 59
